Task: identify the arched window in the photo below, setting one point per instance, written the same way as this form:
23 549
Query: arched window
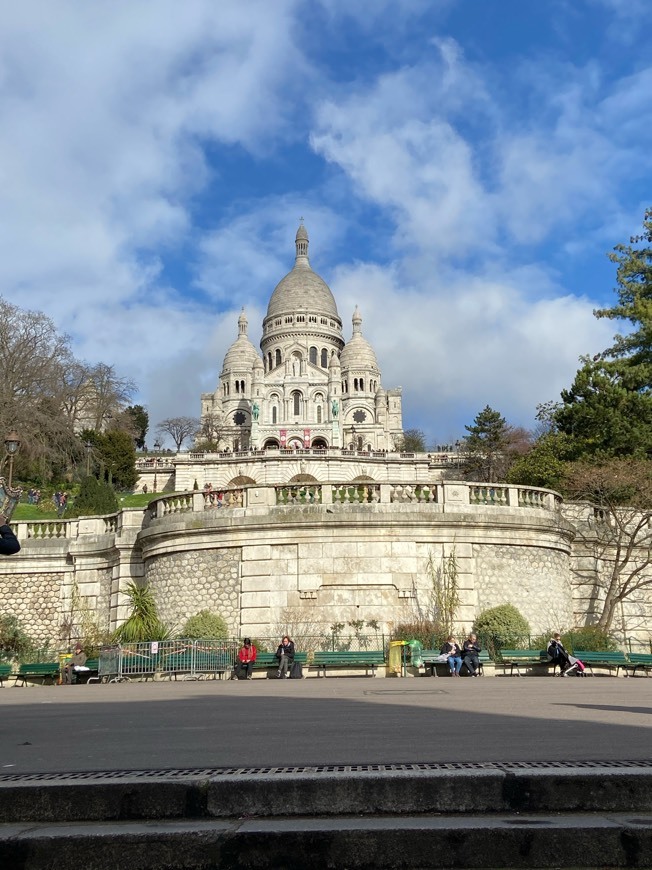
296 398
269 361
274 415
319 413
237 386
324 358
355 384
278 357
242 386
313 355
362 384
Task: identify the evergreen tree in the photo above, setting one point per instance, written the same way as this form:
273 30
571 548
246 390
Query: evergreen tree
140 422
632 353
602 416
95 498
119 457
485 446
608 409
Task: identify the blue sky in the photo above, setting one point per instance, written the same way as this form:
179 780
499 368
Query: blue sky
463 167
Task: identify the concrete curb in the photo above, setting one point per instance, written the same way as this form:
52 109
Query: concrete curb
226 796
543 841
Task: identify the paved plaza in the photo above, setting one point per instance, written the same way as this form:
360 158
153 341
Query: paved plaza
263 723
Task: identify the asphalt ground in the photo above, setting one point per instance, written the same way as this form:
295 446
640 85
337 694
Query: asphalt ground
339 720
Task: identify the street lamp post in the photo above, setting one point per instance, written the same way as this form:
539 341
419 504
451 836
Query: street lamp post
157 448
12 444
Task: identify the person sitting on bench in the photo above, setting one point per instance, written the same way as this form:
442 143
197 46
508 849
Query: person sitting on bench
75 665
471 651
246 659
285 656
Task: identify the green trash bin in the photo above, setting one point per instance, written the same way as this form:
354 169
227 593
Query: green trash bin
416 649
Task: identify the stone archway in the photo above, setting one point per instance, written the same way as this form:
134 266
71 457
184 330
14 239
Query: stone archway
303 478
363 478
241 480
320 444
271 444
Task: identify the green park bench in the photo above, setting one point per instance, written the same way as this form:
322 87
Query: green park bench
367 659
514 659
91 675
42 671
610 660
638 661
430 659
6 672
266 660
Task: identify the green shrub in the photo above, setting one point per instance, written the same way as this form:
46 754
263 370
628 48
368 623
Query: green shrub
95 499
590 638
205 625
503 626
14 640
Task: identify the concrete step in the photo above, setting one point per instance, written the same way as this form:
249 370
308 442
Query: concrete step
386 789
544 840
490 815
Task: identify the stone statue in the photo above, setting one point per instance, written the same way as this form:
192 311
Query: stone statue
255 411
335 408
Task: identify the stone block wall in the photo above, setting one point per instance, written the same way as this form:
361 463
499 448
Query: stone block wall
35 599
535 580
184 583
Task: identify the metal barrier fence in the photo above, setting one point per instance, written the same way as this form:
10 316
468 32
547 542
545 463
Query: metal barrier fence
167 659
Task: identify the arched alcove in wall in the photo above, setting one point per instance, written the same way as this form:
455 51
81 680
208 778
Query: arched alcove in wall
241 480
303 478
319 443
363 478
271 442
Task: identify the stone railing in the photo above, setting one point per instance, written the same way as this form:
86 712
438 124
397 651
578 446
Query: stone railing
155 464
44 530
433 458
449 496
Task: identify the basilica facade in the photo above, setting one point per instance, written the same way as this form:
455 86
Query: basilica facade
308 388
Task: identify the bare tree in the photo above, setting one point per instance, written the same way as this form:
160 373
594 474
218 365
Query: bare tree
211 432
614 529
178 428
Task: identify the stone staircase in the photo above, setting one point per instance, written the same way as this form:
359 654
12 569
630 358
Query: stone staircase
491 815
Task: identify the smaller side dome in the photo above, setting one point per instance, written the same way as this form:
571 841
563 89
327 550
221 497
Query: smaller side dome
358 353
242 355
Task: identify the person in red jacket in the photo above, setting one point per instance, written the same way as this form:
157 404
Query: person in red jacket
247 657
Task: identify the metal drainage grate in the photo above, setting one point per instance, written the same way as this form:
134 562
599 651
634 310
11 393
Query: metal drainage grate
207 772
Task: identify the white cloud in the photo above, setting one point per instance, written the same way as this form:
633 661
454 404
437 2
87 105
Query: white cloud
104 111
459 342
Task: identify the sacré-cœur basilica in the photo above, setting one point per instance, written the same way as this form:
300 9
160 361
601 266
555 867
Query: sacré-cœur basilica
307 510
309 388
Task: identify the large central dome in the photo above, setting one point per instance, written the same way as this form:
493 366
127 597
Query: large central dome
302 289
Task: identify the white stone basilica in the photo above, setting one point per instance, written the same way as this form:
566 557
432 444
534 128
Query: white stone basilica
309 389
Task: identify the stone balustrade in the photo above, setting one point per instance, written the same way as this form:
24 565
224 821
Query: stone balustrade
448 496
436 458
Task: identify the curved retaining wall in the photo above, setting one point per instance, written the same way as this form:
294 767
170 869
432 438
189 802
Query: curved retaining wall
319 553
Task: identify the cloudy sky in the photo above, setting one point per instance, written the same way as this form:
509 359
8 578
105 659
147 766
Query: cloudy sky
463 166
